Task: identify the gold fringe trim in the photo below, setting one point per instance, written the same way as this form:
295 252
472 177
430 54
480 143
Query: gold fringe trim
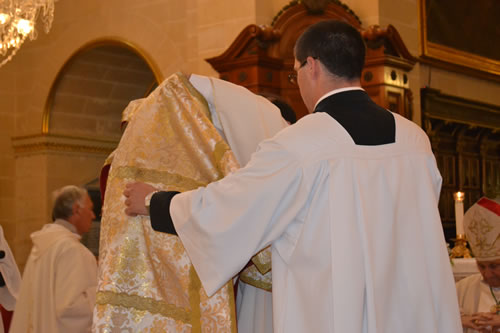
154 176
262 260
232 305
195 93
194 300
263 268
221 148
144 304
256 283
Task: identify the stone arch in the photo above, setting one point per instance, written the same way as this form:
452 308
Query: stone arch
64 149
93 87
84 110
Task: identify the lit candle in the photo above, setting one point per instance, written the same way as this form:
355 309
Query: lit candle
459 212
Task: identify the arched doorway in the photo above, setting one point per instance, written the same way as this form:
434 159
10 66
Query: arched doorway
80 128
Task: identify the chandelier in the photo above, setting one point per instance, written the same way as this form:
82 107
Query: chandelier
17 22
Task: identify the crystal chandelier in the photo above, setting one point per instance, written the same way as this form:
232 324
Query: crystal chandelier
17 22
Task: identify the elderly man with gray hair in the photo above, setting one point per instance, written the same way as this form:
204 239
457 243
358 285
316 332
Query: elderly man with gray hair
59 281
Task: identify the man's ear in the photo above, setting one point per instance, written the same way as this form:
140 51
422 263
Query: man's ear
75 208
314 67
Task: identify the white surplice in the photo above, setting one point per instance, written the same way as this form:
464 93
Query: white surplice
254 309
59 284
355 231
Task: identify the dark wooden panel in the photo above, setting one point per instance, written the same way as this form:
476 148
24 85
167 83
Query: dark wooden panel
465 140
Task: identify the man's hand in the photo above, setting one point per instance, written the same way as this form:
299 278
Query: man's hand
489 321
482 321
471 321
135 194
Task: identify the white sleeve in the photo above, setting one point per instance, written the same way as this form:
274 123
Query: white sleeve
224 224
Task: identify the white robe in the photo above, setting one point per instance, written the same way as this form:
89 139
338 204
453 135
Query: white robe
59 284
254 308
474 296
355 230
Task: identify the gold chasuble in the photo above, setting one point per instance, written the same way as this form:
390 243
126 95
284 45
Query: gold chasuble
146 280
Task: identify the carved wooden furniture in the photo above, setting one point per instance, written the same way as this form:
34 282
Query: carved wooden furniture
465 138
385 75
261 57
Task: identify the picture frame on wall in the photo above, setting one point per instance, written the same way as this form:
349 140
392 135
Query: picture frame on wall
461 35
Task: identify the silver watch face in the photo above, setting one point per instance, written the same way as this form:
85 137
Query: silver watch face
147 199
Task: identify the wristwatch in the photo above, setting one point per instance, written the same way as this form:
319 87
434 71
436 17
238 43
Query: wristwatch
147 199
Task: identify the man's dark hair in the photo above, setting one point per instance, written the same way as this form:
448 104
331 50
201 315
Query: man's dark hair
338 45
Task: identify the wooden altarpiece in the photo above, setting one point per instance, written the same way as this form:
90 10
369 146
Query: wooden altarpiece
261 57
465 138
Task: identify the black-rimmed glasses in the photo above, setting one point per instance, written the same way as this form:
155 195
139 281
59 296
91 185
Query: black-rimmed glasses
292 77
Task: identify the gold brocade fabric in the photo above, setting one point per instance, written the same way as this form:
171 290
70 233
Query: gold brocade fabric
259 274
262 260
146 280
252 276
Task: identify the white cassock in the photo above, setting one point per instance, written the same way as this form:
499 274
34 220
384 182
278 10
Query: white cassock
254 308
11 276
59 284
357 243
474 296
243 120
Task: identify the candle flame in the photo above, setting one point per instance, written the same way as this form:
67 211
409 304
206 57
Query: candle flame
459 196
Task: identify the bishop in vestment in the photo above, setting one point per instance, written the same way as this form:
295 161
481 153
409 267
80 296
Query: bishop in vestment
479 294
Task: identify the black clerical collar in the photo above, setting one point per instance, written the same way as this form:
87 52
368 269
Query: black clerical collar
336 91
367 123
